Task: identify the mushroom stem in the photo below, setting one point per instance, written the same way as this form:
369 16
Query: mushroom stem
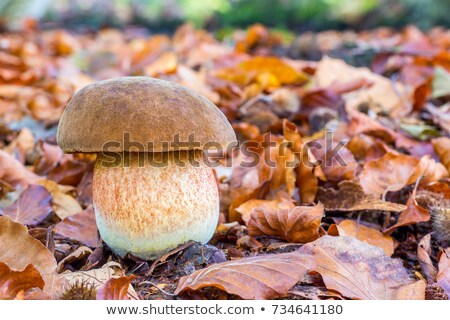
149 203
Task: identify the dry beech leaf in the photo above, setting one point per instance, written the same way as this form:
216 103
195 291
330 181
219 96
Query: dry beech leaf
307 171
358 270
394 171
365 234
351 197
80 227
63 204
382 92
23 143
115 288
423 255
337 162
442 148
247 207
411 215
32 207
353 268
261 277
13 282
298 225
18 249
14 173
443 276
77 255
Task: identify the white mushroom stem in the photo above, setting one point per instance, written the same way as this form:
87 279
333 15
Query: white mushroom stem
148 204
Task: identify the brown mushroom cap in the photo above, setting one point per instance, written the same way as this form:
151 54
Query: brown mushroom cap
148 110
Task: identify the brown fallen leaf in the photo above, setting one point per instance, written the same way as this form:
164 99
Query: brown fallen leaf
423 255
353 268
115 288
394 171
351 197
32 207
22 144
299 225
63 204
442 148
247 207
12 283
443 275
18 249
308 170
14 173
261 277
360 271
80 227
365 234
337 162
411 215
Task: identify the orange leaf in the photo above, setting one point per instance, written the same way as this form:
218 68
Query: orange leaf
365 234
13 282
300 224
442 148
115 288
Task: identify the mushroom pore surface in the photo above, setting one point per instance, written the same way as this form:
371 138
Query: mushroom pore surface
148 203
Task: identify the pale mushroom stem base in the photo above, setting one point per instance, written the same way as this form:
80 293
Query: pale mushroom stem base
149 207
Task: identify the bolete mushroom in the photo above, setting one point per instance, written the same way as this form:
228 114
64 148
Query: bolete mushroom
152 190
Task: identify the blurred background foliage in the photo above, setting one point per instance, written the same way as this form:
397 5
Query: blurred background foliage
222 15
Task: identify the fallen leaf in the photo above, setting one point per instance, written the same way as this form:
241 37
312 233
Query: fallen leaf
80 227
411 215
351 197
32 207
443 275
79 254
394 171
423 255
247 207
365 234
297 225
353 268
14 282
440 83
13 172
115 288
18 249
63 204
442 148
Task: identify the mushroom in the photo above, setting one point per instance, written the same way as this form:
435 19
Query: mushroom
152 189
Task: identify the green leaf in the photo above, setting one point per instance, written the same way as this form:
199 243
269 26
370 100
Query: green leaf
441 83
420 131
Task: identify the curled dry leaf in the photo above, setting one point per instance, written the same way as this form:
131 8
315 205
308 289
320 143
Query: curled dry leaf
299 225
308 170
115 288
32 207
394 171
21 145
261 277
79 254
442 148
353 268
247 207
12 283
337 162
14 173
351 197
365 234
18 249
443 276
411 215
80 227
423 255
64 205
